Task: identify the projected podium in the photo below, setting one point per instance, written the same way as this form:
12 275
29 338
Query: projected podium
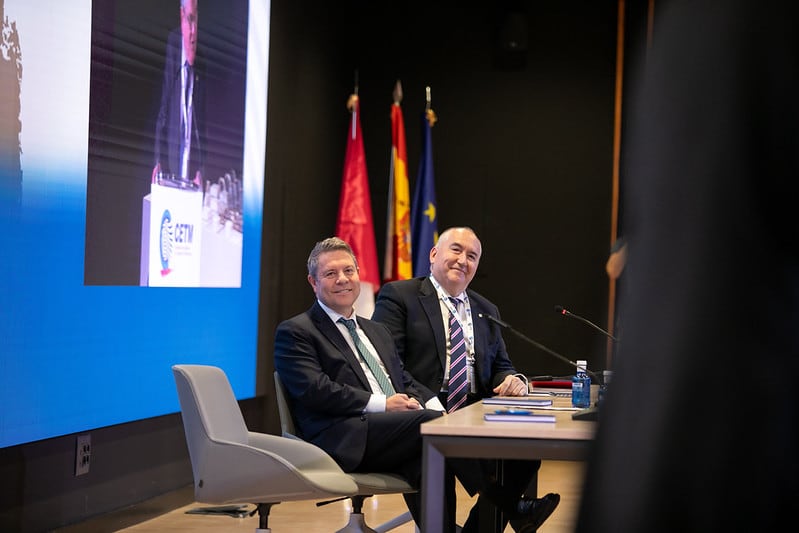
191 239
171 236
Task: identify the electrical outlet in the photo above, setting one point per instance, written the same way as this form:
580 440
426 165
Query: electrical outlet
83 455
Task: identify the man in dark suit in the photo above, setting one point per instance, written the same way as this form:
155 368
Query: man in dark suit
418 311
179 128
338 400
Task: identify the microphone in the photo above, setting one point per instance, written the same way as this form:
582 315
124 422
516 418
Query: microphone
591 414
538 345
565 312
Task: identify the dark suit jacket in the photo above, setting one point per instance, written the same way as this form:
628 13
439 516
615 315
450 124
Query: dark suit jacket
326 383
167 126
411 310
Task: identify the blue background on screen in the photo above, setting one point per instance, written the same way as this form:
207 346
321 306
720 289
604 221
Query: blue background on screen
75 357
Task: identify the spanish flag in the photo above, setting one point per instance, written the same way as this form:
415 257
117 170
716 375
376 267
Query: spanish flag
355 224
398 227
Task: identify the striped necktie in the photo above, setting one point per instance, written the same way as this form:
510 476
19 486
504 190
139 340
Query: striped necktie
371 362
458 363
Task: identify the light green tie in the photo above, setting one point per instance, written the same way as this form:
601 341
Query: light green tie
371 362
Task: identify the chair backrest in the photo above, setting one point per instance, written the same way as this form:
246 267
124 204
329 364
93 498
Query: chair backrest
209 409
287 425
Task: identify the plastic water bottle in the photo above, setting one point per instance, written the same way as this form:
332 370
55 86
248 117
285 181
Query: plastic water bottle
581 387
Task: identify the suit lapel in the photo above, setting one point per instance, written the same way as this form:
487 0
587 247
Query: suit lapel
481 333
428 297
331 331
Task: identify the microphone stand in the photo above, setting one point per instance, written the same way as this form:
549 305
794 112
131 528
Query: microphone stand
565 312
591 413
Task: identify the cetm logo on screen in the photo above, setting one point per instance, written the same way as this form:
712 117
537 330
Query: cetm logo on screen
174 239
165 242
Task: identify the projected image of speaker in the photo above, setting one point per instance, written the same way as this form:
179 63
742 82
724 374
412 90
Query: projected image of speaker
166 178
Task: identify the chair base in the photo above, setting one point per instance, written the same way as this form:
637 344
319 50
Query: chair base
263 510
357 524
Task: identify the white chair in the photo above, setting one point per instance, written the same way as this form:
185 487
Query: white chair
232 465
369 484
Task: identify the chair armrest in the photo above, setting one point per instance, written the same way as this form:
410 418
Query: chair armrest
296 451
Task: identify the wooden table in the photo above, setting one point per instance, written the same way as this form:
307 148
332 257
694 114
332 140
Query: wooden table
464 433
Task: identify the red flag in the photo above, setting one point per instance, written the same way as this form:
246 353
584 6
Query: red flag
354 223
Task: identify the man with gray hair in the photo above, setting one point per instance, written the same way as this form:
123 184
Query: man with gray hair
349 393
179 128
424 315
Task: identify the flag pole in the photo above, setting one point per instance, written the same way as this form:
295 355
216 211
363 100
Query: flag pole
351 104
397 93
429 114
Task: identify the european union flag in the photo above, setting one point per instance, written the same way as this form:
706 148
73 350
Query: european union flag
424 220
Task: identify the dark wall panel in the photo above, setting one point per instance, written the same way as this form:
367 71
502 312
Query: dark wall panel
522 148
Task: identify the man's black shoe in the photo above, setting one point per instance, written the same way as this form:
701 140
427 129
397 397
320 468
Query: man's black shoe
534 512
